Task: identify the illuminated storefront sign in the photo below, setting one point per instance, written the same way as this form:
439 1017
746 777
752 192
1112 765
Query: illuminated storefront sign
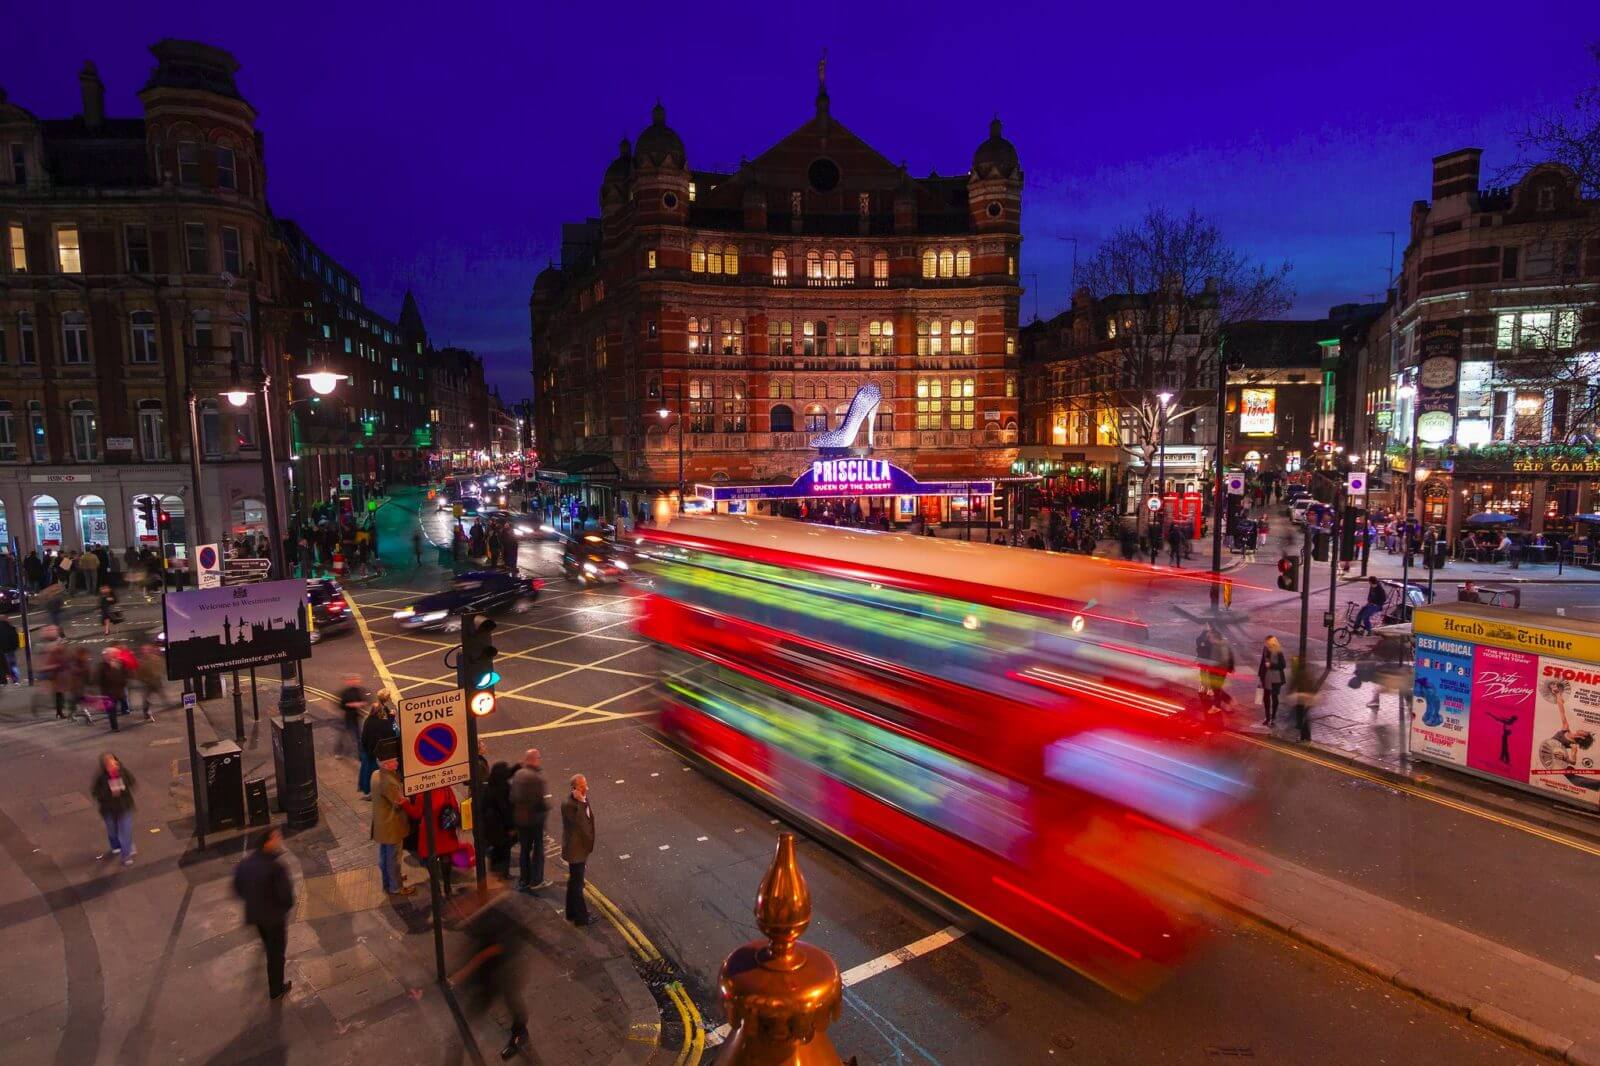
1258 410
847 477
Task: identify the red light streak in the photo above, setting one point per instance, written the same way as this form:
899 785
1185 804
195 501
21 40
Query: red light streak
1076 923
1178 834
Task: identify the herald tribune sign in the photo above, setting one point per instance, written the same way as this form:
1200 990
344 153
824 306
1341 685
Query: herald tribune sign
830 477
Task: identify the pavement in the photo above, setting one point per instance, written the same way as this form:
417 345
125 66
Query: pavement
150 963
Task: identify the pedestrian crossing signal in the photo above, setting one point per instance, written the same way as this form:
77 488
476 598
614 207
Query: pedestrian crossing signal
1289 573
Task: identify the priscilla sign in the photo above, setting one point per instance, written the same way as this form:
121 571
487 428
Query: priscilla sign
847 477
1512 695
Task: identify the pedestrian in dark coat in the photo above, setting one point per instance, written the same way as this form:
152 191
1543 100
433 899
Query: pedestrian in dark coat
113 794
497 821
529 809
493 969
34 570
378 726
263 882
577 844
113 682
1273 671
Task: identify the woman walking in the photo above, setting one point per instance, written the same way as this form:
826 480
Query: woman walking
108 609
1273 671
113 792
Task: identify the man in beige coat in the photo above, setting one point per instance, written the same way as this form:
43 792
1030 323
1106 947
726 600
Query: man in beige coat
389 827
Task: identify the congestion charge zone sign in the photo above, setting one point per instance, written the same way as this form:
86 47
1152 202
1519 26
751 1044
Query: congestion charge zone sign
433 741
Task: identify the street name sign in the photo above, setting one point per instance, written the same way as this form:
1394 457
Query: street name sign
433 741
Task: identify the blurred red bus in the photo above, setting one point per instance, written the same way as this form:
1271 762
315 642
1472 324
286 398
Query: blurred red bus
976 720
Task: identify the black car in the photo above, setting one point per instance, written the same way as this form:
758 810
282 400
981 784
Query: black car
591 559
484 591
10 601
330 611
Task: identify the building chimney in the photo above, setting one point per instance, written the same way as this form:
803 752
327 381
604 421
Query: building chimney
1455 173
94 96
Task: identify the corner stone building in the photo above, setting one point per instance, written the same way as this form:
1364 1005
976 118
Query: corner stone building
748 307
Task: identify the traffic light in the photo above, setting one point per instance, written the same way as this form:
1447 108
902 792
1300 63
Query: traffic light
1289 573
475 668
1347 532
165 520
147 511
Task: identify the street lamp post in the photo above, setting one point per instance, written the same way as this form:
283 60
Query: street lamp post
1408 392
1161 456
664 414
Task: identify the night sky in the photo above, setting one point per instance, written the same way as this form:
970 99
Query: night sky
442 153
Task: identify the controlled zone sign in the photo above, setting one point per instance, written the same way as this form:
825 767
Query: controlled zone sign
433 741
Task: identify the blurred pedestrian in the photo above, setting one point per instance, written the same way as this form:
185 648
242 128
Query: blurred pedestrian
390 826
493 969
577 843
497 820
416 544
88 567
113 684
1273 671
262 880
108 610
9 643
1303 695
151 675
378 726
1175 543
113 794
353 700
530 810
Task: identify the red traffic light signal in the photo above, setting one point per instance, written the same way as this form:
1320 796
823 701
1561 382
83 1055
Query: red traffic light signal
165 519
1289 573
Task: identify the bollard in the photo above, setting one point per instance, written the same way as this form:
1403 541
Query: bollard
780 995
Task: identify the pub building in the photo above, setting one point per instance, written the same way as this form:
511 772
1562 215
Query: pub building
711 324
1492 328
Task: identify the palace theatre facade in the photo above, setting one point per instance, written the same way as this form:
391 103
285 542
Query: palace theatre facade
728 328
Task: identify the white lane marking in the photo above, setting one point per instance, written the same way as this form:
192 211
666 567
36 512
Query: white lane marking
856 974
701 840
655 775
740 830
618 781
664 847
624 856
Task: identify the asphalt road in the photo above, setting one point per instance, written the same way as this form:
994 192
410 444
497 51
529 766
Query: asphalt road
683 856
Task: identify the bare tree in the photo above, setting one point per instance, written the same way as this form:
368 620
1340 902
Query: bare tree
1169 288
1555 349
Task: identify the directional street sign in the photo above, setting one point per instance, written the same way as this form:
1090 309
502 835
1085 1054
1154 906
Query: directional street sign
433 741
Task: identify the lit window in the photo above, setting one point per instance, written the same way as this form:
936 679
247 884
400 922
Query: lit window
69 257
697 258
8 434
808 332
227 174
732 337
694 336
963 263
85 432
830 265
143 326
38 440
1011 265
816 419
714 259
936 342
1011 344
780 265
930 263
730 260
188 163
880 337
650 259
947 264
847 266
880 265
74 338
692 191
17 246
813 265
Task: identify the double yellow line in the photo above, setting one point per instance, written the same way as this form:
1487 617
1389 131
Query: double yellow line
694 1030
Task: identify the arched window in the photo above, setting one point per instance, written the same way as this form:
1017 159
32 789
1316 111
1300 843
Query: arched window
880 266
884 421
922 336
8 433
808 338
830 265
782 418
816 418
152 431
785 338
780 264
780 389
46 522
733 406
962 338
962 403
733 337
92 525
714 259
963 263
38 440
697 258
947 264
813 264
936 340
74 338
930 403
85 432
822 338
143 336
696 345
730 259
848 337
847 266
702 405
930 263
880 336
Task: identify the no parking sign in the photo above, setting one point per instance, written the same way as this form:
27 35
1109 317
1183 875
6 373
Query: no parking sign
433 741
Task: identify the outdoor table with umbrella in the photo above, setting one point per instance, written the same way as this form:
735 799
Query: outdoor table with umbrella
1485 520
1582 552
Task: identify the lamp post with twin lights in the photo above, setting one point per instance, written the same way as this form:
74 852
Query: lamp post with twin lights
665 413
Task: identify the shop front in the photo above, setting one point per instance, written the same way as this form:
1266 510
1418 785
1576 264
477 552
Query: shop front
1542 488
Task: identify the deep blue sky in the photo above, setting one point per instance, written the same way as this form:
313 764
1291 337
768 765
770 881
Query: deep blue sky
442 153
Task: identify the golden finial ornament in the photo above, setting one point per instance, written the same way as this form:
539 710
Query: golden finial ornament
780 994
